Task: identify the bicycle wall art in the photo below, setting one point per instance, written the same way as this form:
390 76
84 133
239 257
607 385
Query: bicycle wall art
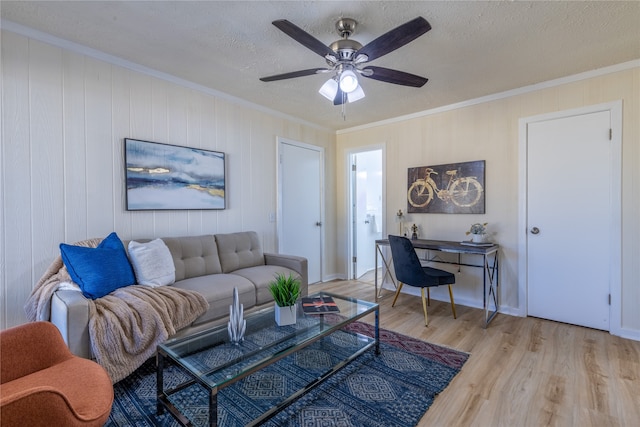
451 188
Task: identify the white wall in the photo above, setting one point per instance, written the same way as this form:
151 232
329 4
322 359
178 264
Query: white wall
64 117
488 130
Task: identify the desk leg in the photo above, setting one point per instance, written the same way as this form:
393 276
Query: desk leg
491 291
375 274
387 272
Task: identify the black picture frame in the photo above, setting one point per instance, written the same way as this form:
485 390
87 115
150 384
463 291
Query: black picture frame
171 177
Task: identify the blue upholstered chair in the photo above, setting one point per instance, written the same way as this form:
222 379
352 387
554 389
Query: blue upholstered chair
408 270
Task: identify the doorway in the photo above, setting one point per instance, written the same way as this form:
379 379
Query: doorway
366 208
300 203
570 247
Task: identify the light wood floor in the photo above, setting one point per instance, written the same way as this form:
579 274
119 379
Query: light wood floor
522 371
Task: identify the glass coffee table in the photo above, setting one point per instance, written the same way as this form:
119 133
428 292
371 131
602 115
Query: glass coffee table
209 360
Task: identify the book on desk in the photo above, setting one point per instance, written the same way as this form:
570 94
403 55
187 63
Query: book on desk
319 305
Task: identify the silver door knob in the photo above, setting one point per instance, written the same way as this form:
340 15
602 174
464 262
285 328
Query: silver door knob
535 230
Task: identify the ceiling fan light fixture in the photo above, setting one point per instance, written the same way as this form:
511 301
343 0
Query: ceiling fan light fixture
346 57
355 95
348 81
329 89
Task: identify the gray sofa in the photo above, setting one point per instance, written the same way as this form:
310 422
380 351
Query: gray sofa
211 265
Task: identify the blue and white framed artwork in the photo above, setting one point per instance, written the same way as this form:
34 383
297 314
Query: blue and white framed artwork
168 177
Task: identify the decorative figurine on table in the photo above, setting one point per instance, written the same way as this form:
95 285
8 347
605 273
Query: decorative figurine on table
414 234
237 324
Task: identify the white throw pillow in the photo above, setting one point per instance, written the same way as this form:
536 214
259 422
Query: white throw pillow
152 263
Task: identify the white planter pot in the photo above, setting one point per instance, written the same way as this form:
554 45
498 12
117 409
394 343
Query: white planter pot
477 238
285 315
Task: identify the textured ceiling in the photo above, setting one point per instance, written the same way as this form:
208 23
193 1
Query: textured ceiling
475 48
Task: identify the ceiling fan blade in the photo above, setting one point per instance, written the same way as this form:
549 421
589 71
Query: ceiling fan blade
394 39
394 76
304 38
340 98
293 74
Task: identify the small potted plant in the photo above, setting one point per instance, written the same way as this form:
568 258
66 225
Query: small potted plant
285 291
478 232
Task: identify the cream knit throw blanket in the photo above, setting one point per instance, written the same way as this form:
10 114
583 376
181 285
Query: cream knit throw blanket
126 326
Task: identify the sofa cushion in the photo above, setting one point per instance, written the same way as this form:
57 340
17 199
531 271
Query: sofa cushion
193 256
152 263
261 277
101 270
239 250
218 291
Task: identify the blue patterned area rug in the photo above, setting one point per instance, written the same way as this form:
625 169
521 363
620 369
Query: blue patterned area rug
393 389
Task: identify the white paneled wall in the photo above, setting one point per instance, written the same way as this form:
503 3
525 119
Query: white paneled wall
64 118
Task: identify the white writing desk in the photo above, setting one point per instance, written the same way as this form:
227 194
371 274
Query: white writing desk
489 256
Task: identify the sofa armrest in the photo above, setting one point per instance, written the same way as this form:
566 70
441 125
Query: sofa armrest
295 263
70 314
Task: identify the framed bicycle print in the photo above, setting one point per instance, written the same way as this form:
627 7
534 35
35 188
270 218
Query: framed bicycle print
168 177
451 188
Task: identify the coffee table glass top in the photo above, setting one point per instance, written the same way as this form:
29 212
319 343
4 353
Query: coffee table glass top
215 361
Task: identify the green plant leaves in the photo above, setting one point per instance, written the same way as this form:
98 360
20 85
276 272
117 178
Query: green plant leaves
285 290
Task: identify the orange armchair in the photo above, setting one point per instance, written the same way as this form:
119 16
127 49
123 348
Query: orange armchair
43 384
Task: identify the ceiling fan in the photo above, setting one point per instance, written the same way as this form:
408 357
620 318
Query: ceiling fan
346 58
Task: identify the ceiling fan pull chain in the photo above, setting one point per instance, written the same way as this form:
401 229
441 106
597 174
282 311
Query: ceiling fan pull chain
344 107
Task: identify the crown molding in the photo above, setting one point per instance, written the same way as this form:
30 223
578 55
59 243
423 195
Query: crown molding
114 60
501 95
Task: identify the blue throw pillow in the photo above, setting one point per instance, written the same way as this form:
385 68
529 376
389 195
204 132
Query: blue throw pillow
99 271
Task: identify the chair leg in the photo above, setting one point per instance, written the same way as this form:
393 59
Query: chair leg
397 293
453 306
429 297
424 307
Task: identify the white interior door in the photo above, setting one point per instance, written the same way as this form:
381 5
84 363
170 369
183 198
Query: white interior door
569 217
300 204
366 204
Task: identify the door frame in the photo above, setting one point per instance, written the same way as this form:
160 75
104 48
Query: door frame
349 197
279 226
615 256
